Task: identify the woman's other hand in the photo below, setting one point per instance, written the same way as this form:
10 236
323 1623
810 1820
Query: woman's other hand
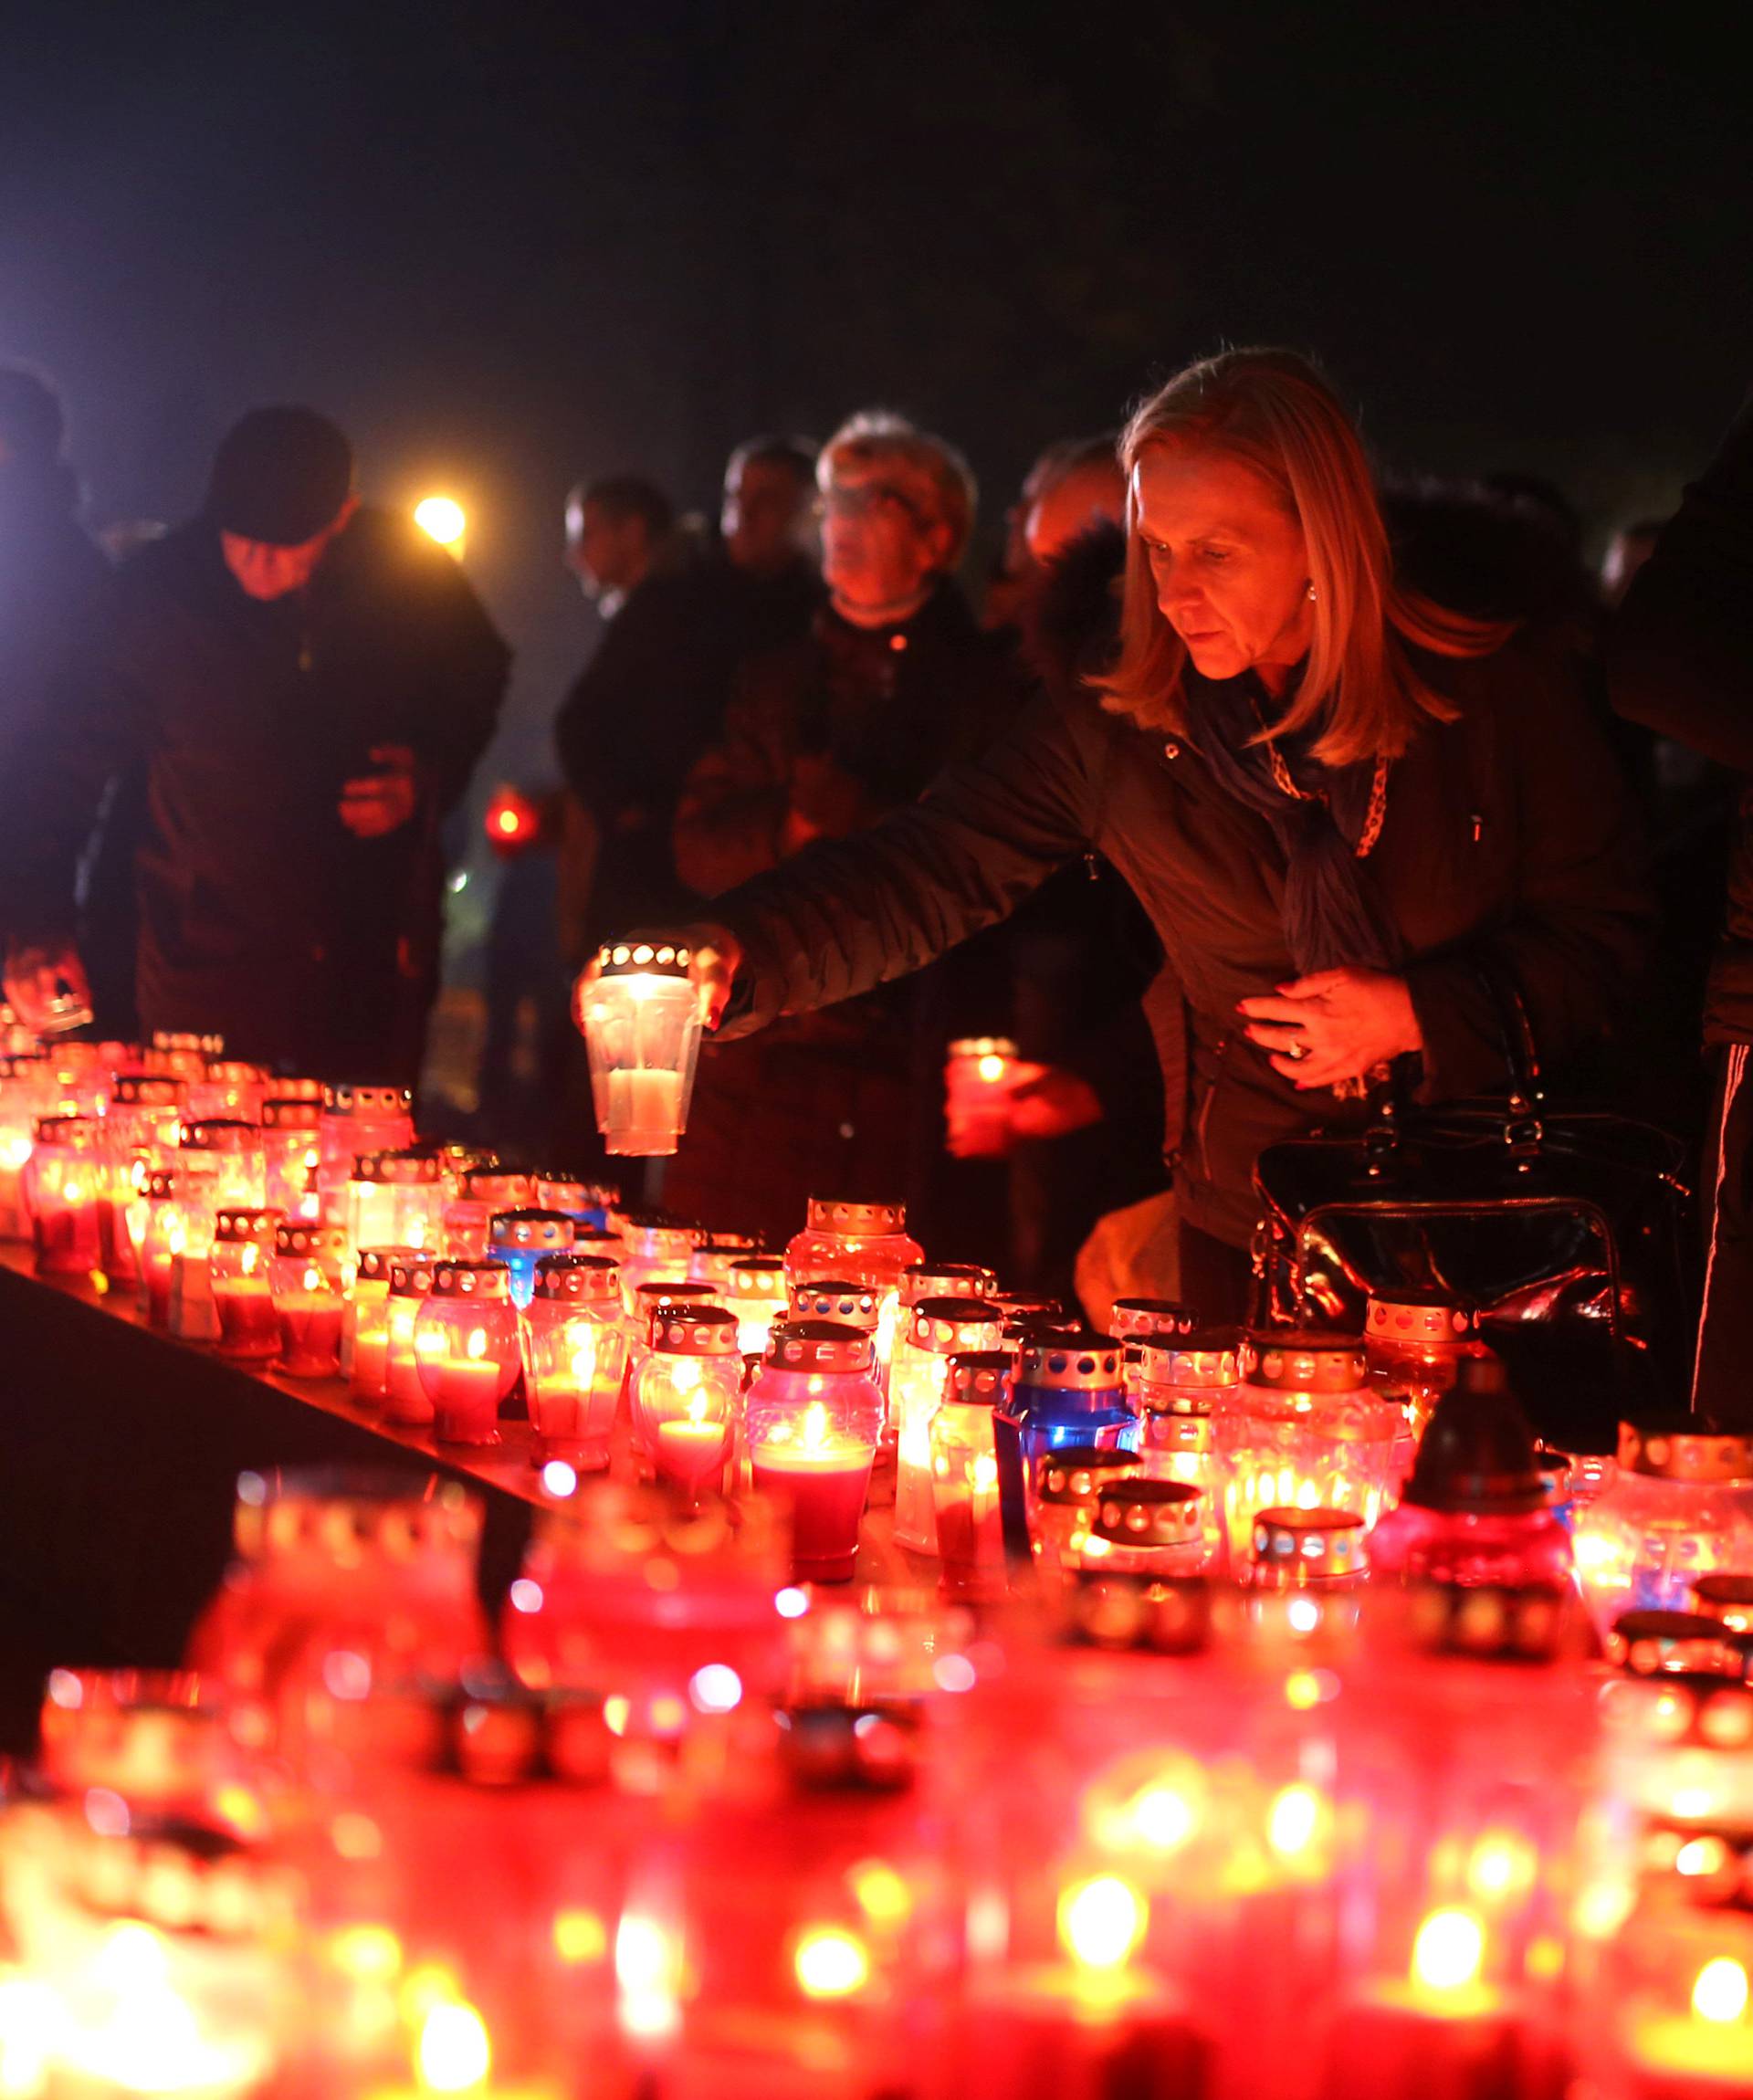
1338 1024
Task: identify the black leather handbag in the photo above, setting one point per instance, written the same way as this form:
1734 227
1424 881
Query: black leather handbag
1565 1229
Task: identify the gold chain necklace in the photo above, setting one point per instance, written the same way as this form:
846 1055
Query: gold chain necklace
1373 816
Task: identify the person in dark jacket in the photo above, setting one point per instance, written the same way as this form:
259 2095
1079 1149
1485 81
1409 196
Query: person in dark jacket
1346 811
309 684
1680 661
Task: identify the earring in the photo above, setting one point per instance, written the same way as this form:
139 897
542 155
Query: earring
1311 591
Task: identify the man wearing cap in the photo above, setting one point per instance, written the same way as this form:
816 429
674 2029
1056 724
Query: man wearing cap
307 682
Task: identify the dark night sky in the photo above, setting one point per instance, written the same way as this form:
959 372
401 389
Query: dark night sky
510 245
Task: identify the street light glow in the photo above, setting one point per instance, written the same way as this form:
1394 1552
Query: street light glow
442 519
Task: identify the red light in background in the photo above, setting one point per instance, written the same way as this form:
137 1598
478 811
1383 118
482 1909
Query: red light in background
513 821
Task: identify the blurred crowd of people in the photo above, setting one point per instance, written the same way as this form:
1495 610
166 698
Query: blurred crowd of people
229 750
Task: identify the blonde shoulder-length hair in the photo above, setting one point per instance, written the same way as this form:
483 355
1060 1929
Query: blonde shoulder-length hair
1273 410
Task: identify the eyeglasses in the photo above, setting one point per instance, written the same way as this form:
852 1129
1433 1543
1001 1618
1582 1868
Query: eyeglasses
872 499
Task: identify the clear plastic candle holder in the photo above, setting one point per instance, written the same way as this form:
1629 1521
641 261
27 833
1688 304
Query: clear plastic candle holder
1063 1501
1306 1550
482 1193
863 1242
686 1396
641 1018
575 1357
397 1200
587 1202
308 1277
291 1125
648 1300
812 1420
964 1477
921 1280
1679 1506
1136 1320
1144 1526
1414 1342
712 1260
657 1250
161 1245
220 1164
229 1086
139 1132
66 1189
755 1291
933 1331
1304 1431
405 1398
182 1053
365 1328
241 1256
1068 1390
523 1238
356 1119
467 1349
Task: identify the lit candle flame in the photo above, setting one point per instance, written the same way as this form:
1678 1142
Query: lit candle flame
476 1346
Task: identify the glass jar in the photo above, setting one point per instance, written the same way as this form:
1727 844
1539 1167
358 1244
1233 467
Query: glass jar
18 1113
405 1398
1678 1507
1414 1342
308 1277
1134 1321
586 1203
1067 1486
219 1163
1068 1390
291 1127
1728 1599
755 1291
1475 1512
813 1417
160 1246
575 1357
365 1328
182 1053
964 1477
934 1330
947 1280
467 1349
1304 1431
641 1019
865 1243
238 1263
1145 1527
978 1073
649 1300
65 1184
397 1200
357 1119
522 1238
658 1250
685 1396
484 1192
139 1132
1306 1550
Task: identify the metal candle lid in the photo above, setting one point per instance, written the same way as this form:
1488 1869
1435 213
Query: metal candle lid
1302 1360
1316 1544
458 1279
1163 1616
857 1220
348 1099
980 1378
377 1265
410 1275
1492 1622
1684 1447
183 1040
1204 1359
818 1345
1143 1512
587 1278
944 1326
145 1090
301 1237
1725 1598
650 1298
291 1112
923 1280
1070 1363
498 1187
562 1190
694 1330
551 1232
1077 1472
757 1277
160 1186
1132 1318
1416 1316
834 1299
1658 1644
250 1223
642 959
409 1167
66 1129
218 1134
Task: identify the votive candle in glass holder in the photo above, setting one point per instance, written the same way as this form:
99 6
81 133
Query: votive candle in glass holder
405 1398
1146 1526
685 1395
1307 1550
467 1349
238 1263
139 1131
575 1357
641 1020
229 1086
1069 1390
933 1331
1678 1506
292 1124
867 1243
812 1420
365 1328
483 1192
658 1249
356 1119
586 1203
1136 1320
755 1291
978 1073
308 1277
65 1186
964 1477
397 1200
947 1280
649 1300
161 1243
1068 1482
522 1238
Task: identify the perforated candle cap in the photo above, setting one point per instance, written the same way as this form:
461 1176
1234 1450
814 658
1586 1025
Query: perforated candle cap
819 1345
1658 1644
1142 1512
980 1378
1302 1360
145 1090
1490 1622
1161 1616
301 1237
1315 1542
291 1112
1419 1316
411 1278
160 1186
1684 1447
925 1280
649 1298
1727 1598
643 959
558 1190
218 1134
1014 1305
1078 1472
694 1330
834 1299
500 1188
250 1223
523 1229
1070 1363
757 1277
349 1098
1133 1319
181 1041
482 1280
1207 1358
589 1279
410 1166
377 1265
943 1325
857 1220
73 1130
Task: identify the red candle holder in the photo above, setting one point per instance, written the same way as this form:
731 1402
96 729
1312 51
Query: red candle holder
964 1477
932 1332
66 1185
867 1243
755 1291
483 1192
291 1126
575 1357
465 1349
366 1325
357 1119
685 1394
658 1250
397 1200
138 1131
921 1280
243 1245
309 1279
812 1418
162 1237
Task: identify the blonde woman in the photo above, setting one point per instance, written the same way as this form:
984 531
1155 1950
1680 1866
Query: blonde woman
1346 810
